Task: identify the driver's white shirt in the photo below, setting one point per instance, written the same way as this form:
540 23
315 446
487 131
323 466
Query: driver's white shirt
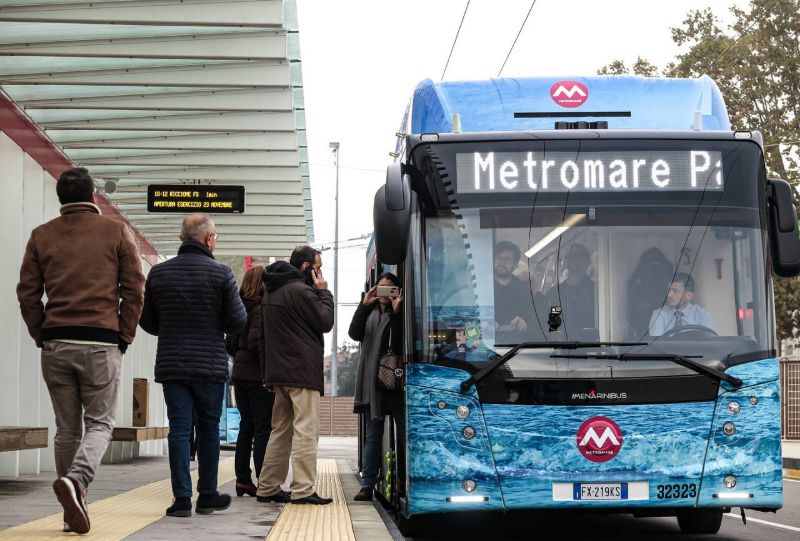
665 318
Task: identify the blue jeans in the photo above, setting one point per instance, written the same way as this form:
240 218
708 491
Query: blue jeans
372 453
205 400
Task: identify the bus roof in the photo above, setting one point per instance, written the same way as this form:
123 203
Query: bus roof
536 103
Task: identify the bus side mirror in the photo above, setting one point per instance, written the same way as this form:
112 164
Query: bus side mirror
783 235
391 216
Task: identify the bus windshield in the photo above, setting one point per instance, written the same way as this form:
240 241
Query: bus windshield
658 242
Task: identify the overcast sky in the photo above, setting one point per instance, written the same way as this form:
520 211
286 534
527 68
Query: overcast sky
362 59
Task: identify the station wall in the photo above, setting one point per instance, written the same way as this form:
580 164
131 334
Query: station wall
29 199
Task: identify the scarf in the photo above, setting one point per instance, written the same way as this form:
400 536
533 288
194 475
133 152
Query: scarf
367 392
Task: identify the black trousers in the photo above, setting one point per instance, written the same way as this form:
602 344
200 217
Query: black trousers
255 408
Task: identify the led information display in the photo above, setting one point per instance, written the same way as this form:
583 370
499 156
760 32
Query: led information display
195 198
613 171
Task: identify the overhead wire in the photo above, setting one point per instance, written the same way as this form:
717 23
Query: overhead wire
746 31
516 38
452 47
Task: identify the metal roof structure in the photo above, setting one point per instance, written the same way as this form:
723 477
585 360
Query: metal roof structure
171 91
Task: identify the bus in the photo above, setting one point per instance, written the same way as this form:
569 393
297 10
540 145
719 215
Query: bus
587 265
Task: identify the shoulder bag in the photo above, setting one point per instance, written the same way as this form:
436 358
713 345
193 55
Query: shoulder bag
390 368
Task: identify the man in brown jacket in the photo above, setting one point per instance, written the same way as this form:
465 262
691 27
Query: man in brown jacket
90 267
297 309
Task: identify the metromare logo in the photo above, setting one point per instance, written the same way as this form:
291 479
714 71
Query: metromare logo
569 93
599 439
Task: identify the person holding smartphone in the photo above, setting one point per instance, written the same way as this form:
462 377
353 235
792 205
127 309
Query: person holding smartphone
378 325
296 311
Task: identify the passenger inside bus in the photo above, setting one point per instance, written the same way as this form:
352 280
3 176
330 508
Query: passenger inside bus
646 290
678 310
576 295
514 318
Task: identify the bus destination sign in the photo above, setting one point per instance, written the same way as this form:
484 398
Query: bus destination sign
195 198
613 171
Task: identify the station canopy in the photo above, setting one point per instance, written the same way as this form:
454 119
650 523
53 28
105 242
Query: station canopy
147 92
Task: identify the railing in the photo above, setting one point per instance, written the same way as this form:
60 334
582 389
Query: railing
790 400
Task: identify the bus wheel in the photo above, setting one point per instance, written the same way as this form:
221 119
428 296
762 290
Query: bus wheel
699 521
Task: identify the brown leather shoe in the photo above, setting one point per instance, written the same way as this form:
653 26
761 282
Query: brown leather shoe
71 495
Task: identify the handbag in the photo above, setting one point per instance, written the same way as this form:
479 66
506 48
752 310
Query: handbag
390 369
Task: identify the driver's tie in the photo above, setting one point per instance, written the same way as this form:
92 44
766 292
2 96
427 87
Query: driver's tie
679 321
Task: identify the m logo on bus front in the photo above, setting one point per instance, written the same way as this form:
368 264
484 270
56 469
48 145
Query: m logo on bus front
569 93
599 439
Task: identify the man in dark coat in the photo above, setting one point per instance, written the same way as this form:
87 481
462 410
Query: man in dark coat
190 301
297 310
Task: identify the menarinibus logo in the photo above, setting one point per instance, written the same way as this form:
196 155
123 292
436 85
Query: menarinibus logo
594 395
599 439
569 93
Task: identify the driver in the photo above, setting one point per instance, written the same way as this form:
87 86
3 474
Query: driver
679 310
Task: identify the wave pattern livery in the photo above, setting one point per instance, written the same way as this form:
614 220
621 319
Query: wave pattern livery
522 456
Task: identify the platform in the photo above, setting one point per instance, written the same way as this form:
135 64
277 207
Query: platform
127 501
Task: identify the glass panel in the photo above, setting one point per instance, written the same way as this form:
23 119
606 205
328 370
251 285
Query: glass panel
31 32
681 271
27 65
21 93
64 137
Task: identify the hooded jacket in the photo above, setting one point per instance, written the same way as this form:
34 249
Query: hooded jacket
295 316
190 301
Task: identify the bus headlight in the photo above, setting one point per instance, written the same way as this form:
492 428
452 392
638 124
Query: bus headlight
734 408
462 412
468 432
729 429
469 485
753 400
729 481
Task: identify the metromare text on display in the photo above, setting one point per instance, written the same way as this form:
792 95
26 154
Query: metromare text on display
503 172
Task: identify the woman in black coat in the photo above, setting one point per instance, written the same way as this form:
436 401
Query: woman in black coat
378 325
253 400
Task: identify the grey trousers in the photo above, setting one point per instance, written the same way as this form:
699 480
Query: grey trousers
83 381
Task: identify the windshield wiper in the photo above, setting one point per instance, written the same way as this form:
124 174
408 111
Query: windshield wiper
485 371
713 373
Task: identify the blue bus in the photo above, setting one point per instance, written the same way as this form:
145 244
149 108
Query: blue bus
589 322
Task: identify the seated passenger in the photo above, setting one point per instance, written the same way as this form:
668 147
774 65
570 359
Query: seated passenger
678 310
576 295
645 292
513 302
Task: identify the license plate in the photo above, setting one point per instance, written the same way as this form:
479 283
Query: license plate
599 491
584 492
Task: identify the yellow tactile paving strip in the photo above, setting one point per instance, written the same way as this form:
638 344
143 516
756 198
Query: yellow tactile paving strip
116 517
792 473
318 522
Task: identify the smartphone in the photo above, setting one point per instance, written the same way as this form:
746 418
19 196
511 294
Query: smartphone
387 291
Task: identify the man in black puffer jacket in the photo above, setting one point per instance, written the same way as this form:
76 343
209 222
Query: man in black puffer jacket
190 301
